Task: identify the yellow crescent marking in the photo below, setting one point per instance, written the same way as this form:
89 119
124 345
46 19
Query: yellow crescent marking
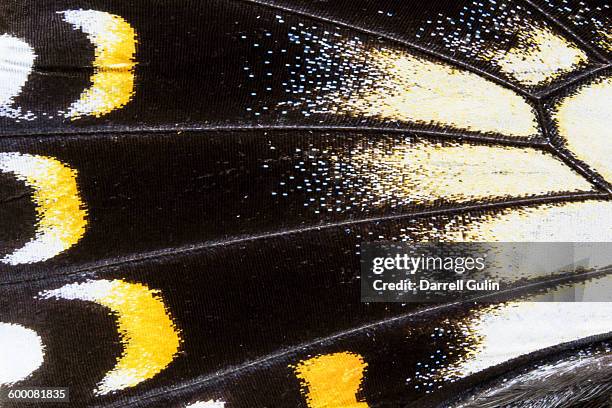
149 336
332 380
112 84
60 212
583 119
538 56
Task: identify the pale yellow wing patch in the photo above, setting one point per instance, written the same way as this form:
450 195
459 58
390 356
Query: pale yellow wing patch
509 38
398 172
583 120
397 85
501 333
412 89
563 222
426 172
538 56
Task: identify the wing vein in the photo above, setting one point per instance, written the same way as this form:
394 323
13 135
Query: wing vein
112 263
